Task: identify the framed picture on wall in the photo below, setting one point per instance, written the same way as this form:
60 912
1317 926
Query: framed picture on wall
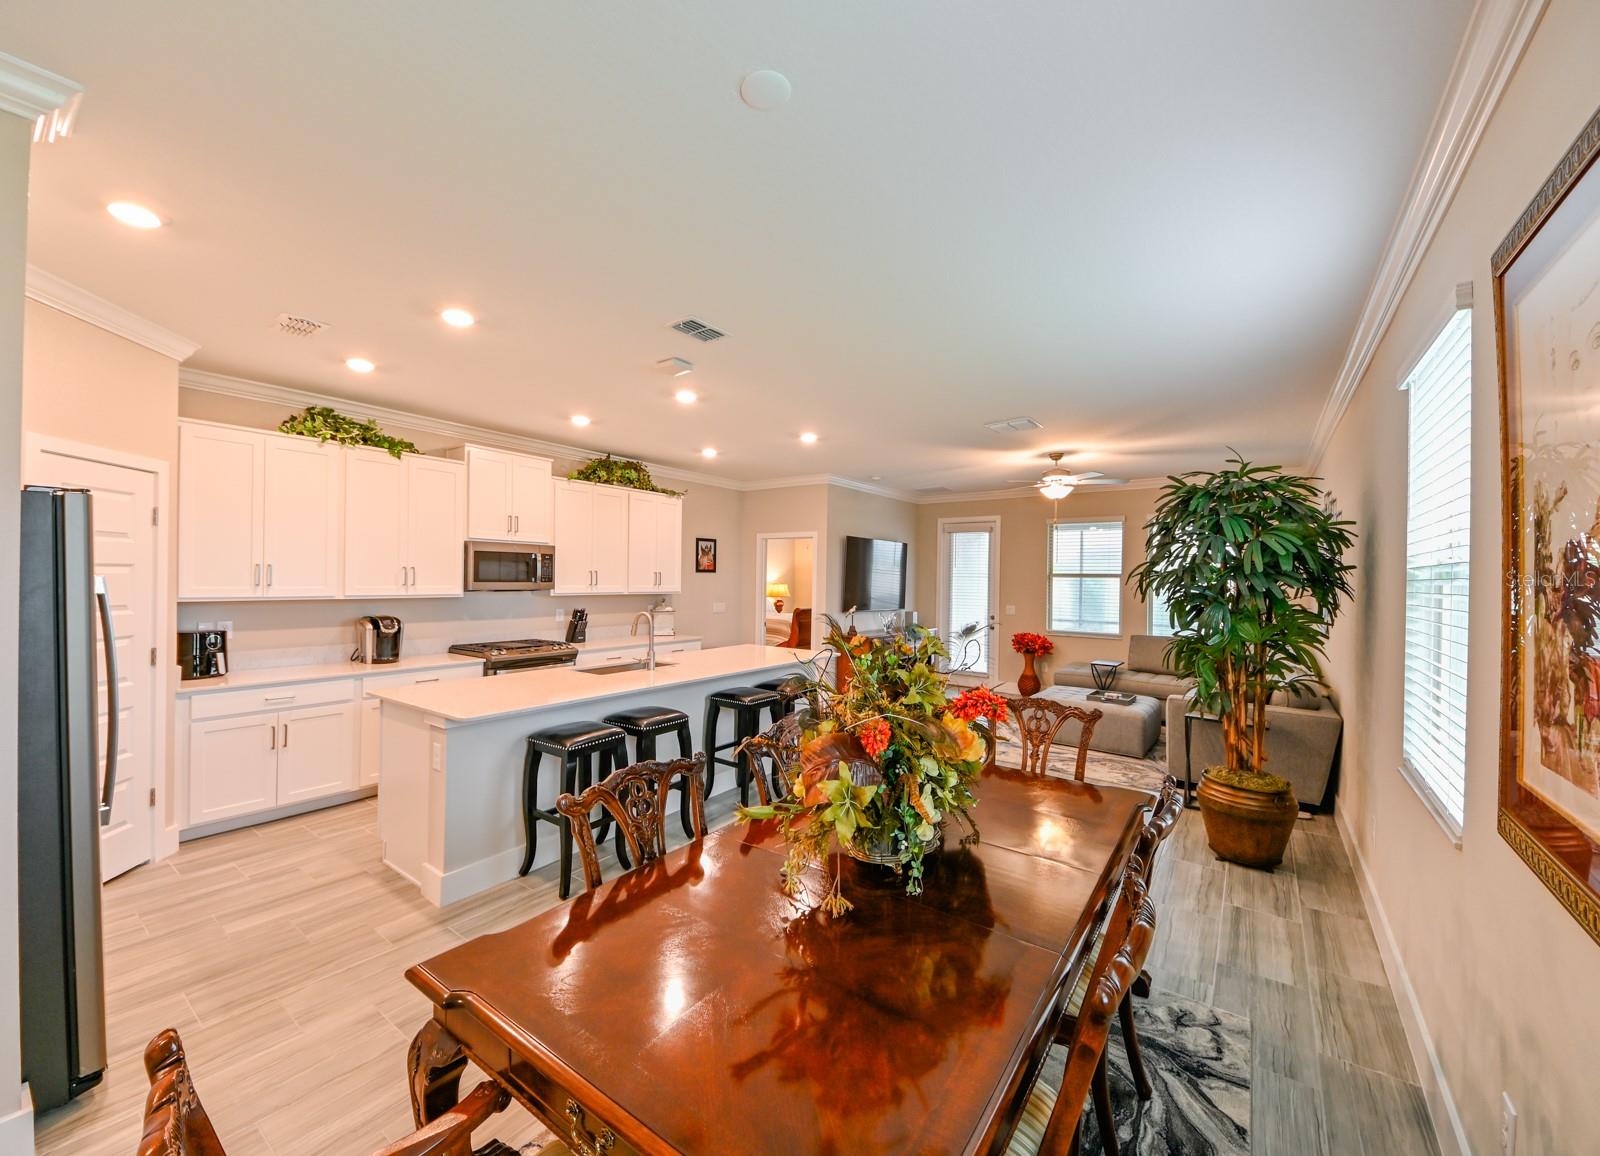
1547 327
705 555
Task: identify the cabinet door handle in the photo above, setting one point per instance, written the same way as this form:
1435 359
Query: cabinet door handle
508 523
420 681
403 581
269 573
285 736
256 581
274 745
280 698
518 526
413 577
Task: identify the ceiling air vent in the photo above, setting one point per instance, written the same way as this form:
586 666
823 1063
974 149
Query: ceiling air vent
1011 425
698 330
299 326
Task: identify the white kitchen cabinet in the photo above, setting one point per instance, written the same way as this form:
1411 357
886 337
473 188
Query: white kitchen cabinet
260 515
233 767
318 751
509 496
220 507
591 538
655 543
405 524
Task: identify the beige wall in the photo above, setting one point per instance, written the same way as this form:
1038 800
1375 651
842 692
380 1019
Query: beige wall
264 633
84 384
15 134
790 510
1024 524
1500 973
852 513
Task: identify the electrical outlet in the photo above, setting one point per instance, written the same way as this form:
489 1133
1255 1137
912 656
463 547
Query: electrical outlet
719 608
437 754
1011 611
1508 1125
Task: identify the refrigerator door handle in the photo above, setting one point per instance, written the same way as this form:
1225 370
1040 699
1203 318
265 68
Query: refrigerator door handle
113 705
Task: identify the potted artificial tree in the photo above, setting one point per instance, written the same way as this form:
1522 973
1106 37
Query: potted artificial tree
1250 561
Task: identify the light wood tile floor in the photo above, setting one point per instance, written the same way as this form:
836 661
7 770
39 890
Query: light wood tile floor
278 952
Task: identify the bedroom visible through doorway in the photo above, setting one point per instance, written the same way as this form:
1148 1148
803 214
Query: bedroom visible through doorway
786 570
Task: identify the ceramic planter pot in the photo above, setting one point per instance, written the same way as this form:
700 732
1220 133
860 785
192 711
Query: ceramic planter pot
1248 827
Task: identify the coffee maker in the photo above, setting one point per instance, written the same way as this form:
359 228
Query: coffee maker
378 638
202 654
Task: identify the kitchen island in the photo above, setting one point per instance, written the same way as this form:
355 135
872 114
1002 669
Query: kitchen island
450 802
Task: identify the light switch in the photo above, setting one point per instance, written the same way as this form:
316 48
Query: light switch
1011 611
719 608
437 755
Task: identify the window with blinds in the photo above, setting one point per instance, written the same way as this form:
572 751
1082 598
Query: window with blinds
968 562
1438 525
1160 616
1085 592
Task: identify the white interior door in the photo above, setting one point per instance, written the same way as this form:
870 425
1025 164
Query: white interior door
969 587
125 544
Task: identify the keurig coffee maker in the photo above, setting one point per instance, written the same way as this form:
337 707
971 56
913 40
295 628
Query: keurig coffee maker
378 638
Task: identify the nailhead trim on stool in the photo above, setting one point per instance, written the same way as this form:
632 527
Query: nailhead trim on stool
574 746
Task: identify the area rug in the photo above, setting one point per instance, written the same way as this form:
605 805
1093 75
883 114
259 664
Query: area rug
1198 1061
1146 774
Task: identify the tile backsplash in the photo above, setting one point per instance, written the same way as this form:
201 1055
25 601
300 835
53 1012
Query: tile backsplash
294 633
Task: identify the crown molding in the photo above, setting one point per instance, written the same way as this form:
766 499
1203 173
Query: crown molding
1496 37
219 383
839 480
29 91
48 289
1015 492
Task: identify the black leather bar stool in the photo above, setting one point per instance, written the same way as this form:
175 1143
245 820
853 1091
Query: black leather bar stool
747 703
645 724
574 745
784 688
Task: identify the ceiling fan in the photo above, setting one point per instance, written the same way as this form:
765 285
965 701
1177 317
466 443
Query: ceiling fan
1056 482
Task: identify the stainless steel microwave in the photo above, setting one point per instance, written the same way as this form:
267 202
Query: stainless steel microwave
510 566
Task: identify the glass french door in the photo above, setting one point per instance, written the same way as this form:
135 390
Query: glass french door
969 587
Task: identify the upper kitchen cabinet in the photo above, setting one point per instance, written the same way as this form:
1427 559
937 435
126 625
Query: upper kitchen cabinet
406 521
509 496
259 514
591 538
655 543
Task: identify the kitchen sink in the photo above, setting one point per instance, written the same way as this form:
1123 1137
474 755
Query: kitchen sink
619 667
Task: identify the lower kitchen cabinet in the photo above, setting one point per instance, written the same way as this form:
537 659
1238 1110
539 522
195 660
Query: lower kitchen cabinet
317 752
233 767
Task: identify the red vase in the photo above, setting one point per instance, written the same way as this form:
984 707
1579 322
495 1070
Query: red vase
1028 680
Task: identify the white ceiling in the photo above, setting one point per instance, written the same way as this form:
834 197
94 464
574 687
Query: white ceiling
1150 227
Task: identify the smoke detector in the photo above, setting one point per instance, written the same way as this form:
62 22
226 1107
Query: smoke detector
675 366
296 326
698 329
1012 425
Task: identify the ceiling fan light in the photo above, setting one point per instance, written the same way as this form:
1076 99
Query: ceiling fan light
1054 489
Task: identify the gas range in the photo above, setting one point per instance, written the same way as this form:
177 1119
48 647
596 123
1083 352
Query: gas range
518 654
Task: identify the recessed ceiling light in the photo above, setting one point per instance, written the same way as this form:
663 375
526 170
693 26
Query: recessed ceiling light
359 365
676 366
460 318
686 397
809 438
765 89
580 419
134 216
708 452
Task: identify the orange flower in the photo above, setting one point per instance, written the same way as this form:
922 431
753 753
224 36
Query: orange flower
874 737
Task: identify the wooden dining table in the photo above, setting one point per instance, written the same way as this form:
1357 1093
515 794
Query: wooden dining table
692 1005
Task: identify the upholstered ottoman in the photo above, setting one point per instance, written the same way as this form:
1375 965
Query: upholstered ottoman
1124 730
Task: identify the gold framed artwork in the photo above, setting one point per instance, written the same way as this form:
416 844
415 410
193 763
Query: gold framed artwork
1547 331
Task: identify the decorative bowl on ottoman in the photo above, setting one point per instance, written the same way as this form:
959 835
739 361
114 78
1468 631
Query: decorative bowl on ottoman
1249 815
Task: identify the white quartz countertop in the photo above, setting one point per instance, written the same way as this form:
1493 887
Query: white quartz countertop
283 675
628 642
478 700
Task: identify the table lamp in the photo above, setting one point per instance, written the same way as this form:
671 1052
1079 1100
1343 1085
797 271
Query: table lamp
777 591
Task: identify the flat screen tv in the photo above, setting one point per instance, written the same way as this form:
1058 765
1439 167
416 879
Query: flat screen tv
874 574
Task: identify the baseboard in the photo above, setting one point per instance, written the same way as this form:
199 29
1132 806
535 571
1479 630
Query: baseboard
256 818
16 1129
1447 1124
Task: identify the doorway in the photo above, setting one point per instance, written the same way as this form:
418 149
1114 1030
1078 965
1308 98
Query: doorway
786 577
129 554
969 588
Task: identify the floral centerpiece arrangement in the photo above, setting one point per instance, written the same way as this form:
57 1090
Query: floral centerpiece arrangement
884 763
1030 646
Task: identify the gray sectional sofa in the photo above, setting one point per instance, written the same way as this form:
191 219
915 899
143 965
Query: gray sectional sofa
1146 672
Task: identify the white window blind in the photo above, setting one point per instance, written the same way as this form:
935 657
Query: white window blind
968 567
1160 616
1086 577
1438 523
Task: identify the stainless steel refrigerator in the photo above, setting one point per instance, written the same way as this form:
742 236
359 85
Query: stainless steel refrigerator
60 806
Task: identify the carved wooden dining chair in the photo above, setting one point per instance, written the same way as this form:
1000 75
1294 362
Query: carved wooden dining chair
175 1123
1163 818
775 752
1052 1117
1038 720
636 798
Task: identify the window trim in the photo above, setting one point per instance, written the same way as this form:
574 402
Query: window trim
1050 574
1454 829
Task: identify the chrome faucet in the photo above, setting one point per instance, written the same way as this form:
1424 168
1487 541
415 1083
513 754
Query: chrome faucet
650 627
